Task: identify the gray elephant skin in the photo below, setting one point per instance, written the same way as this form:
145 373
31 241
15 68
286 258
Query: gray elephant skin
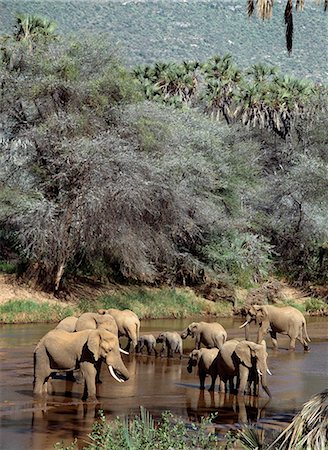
128 324
211 335
245 360
206 361
285 320
172 342
67 324
60 350
148 341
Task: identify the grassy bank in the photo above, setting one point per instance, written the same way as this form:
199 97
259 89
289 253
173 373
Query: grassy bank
146 303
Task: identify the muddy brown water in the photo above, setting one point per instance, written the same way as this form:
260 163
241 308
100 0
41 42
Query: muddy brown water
158 384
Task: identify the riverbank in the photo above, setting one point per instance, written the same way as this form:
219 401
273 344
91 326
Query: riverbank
20 303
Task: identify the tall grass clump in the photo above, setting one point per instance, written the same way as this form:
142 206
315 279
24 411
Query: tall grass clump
163 303
144 433
29 311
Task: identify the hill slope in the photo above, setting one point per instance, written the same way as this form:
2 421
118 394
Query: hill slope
148 31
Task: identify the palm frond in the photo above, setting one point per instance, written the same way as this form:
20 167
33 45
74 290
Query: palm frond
264 8
309 427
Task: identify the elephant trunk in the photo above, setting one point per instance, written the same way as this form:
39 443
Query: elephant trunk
263 377
184 333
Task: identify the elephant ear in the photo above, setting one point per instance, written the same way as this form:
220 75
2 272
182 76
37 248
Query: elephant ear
244 350
93 343
193 327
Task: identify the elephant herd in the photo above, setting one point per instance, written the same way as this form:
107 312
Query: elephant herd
84 343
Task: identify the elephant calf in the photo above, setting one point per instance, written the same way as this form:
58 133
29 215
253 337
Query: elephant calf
206 360
209 334
172 341
148 341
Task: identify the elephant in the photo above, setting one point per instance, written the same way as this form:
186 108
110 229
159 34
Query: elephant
148 341
243 359
172 341
89 321
60 350
67 324
285 320
205 359
210 334
93 321
128 324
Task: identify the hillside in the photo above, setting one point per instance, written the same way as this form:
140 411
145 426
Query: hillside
148 31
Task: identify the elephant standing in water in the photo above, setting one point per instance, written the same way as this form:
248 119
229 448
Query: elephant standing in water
89 321
245 360
209 334
286 320
205 359
172 341
60 350
127 322
148 341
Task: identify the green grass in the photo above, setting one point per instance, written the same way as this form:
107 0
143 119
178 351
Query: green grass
28 311
158 303
7 267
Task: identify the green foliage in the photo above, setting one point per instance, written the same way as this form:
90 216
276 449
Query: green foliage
28 311
159 303
7 267
314 305
142 432
245 256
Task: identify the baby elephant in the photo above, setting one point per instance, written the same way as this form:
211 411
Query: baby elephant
148 341
172 341
206 360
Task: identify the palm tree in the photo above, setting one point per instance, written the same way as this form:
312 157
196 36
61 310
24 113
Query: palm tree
264 11
30 29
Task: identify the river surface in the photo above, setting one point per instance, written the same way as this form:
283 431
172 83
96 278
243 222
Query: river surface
158 384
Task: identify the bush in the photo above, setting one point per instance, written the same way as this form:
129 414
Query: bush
143 432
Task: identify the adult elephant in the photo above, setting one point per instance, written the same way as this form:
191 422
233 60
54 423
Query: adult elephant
205 360
209 334
93 321
245 360
171 341
285 320
148 341
67 324
60 350
127 322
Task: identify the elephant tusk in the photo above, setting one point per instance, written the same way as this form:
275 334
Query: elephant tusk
244 324
259 372
269 372
113 374
123 351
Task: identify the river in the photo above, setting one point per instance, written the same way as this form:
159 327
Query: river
158 384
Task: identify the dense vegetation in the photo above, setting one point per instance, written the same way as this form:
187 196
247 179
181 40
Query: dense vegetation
162 30
131 175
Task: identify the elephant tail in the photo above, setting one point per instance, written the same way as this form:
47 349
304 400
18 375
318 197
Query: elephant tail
305 332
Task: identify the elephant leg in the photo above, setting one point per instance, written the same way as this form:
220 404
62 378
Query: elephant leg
231 384
70 376
98 369
202 377
155 351
212 387
243 372
127 347
222 386
304 343
273 335
42 373
197 343
292 344
89 372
